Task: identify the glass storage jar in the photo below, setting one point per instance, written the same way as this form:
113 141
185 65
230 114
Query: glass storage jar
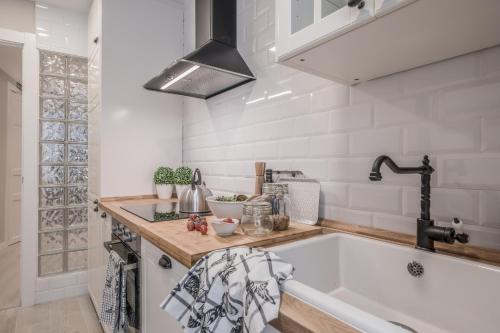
257 218
277 195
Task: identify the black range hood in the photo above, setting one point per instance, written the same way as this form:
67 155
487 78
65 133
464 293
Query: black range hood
216 65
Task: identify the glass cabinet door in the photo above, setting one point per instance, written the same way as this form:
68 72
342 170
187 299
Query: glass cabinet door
331 6
307 12
302 12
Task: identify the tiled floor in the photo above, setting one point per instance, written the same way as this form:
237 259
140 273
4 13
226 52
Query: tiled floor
70 315
9 276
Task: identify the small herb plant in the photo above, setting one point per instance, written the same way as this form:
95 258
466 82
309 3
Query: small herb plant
164 175
183 175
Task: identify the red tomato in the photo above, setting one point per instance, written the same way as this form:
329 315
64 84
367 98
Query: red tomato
197 226
228 220
203 229
190 225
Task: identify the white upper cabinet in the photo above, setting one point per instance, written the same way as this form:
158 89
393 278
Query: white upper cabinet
352 41
305 23
383 7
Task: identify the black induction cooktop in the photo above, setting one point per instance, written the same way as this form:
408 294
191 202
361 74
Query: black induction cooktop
159 212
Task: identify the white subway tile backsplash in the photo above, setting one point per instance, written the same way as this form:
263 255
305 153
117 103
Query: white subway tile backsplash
440 74
350 118
317 169
375 197
489 208
334 194
312 124
333 96
350 169
482 97
373 142
295 147
348 216
329 145
462 135
491 133
489 61
396 223
380 89
445 204
265 150
469 171
449 110
402 111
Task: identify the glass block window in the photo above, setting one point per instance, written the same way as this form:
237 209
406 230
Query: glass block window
63 170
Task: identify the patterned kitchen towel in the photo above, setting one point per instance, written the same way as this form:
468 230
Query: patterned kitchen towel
114 303
231 290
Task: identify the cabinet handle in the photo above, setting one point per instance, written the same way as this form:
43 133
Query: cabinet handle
96 40
96 202
165 262
356 3
103 215
96 209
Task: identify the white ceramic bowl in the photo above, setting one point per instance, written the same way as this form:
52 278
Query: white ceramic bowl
223 228
222 209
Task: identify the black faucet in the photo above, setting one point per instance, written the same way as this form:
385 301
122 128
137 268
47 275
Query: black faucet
427 232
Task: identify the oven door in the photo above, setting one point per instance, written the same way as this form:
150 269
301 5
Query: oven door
133 296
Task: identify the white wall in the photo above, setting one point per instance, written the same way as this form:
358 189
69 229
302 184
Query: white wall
61 30
449 110
4 79
140 129
18 15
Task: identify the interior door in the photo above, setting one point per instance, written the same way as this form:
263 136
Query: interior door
13 165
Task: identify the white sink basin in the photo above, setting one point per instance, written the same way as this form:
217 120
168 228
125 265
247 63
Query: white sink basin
366 284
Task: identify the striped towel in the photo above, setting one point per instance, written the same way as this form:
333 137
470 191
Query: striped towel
232 290
114 302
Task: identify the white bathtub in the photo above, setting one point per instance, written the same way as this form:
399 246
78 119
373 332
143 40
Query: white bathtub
366 284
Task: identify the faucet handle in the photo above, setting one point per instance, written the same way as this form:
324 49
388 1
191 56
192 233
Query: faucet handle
458 225
460 235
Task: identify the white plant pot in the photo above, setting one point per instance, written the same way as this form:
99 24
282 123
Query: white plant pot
179 189
164 191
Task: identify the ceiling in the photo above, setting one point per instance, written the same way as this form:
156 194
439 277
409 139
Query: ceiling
78 5
11 61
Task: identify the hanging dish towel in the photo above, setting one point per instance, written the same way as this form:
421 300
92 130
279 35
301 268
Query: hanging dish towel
232 290
114 303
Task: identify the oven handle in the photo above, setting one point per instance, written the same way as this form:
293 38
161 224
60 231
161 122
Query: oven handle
109 246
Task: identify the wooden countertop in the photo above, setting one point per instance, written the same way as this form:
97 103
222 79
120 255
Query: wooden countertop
187 247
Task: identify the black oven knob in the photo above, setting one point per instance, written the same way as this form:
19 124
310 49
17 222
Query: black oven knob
165 262
129 236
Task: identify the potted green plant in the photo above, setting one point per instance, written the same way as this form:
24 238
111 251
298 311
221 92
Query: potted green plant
164 180
182 179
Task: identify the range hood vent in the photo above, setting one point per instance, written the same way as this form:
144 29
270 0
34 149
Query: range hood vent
216 65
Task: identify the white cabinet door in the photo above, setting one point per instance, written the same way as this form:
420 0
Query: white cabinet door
157 282
383 7
99 231
94 259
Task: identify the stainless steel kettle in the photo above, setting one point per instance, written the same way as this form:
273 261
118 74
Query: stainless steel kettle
193 199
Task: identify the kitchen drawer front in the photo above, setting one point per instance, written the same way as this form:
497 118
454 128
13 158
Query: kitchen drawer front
156 284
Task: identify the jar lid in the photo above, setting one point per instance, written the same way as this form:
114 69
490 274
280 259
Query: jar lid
256 207
274 188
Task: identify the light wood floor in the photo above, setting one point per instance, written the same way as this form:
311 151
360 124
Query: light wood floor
70 315
9 277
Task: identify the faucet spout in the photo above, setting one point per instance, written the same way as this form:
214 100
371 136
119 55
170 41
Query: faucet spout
375 174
